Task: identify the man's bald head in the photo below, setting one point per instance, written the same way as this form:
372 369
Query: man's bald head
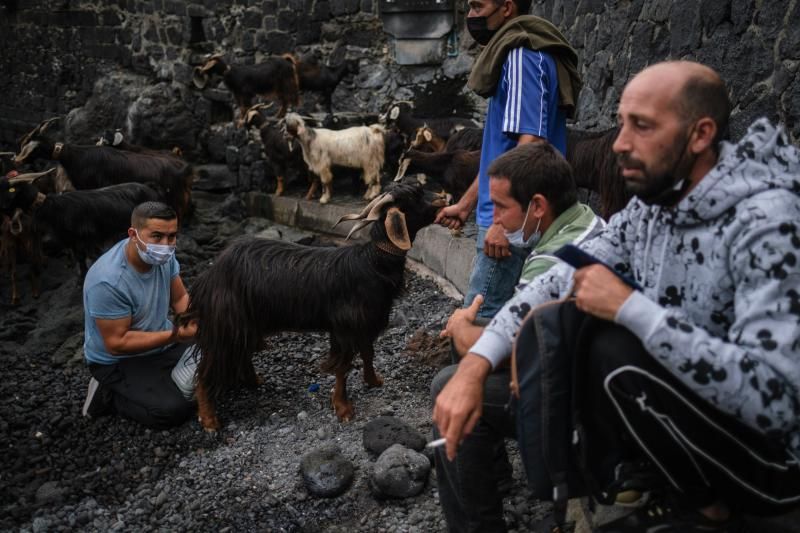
695 91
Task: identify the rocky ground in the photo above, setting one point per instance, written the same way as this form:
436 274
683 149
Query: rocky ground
59 471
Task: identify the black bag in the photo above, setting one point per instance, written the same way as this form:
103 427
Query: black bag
544 378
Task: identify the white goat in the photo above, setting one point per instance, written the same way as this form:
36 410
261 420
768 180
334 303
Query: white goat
356 147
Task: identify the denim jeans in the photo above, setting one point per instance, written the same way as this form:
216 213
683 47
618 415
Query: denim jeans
468 488
495 279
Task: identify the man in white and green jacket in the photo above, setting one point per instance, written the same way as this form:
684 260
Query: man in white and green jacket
535 201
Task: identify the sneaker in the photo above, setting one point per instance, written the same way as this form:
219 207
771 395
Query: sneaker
664 514
98 400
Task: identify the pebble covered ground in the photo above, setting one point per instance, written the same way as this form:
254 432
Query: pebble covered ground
62 472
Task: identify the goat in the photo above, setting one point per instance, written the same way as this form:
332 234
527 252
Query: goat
280 155
454 170
84 222
314 77
342 121
399 114
394 148
468 138
257 287
116 139
91 167
595 168
276 77
426 140
357 147
17 233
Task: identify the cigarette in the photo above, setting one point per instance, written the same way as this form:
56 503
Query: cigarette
436 443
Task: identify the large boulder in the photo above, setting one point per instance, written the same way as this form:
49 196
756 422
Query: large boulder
382 432
326 472
399 473
161 117
106 108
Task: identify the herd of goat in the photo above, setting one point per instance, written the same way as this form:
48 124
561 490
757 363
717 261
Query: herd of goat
84 204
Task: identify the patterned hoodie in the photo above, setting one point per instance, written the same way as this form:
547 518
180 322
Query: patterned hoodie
720 271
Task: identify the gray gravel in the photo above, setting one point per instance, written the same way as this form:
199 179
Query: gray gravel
61 472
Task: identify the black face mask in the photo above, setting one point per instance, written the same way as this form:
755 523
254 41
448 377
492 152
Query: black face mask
479 30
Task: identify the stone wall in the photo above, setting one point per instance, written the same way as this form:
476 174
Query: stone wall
59 54
128 63
754 44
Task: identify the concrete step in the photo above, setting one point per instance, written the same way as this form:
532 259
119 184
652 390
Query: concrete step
449 256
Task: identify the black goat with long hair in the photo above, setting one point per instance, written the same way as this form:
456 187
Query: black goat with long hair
92 167
81 222
257 287
595 167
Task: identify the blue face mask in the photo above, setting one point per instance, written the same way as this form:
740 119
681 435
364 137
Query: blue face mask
154 254
517 237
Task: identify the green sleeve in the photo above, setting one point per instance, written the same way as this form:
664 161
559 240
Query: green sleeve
535 267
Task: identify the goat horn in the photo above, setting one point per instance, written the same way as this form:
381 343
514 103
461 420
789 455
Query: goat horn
199 78
261 105
30 177
364 212
373 215
402 168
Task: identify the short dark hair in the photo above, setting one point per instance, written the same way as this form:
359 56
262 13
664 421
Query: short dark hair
706 96
537 168
523 6
146 210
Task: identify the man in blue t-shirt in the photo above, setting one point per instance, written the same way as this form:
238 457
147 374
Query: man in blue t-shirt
131 346
524 107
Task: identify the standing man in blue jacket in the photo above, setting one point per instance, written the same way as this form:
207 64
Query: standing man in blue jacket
529 73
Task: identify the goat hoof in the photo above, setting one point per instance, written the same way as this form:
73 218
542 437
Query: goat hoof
344 412
376 380
210 425
325 199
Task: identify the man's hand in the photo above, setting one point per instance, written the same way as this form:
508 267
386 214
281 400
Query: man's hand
599 292
495 243
186 332
459 406
461 326
453 216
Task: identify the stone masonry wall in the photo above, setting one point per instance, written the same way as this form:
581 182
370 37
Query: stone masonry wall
753 44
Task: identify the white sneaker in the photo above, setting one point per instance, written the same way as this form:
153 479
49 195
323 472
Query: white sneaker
185 372
93 386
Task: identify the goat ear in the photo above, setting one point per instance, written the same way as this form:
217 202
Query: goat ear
117 138
396 228
427 135
394 112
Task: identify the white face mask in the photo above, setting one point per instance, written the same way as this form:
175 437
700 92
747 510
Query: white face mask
517 237
154 254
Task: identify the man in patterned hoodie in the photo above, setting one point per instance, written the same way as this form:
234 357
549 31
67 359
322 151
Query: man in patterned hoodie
699 372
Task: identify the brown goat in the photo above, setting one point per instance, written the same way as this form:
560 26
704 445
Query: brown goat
426 140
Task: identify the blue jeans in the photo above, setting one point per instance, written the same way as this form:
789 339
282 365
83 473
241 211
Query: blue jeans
494 279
